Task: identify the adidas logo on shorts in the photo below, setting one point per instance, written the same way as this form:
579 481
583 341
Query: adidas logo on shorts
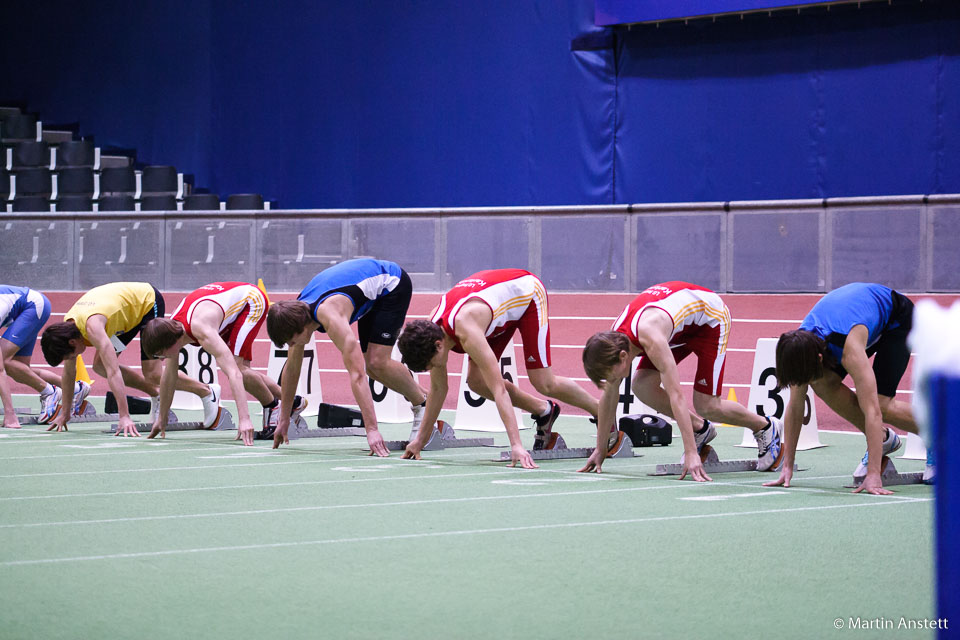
702 381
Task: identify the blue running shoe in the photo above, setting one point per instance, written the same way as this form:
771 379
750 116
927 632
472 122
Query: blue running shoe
930 472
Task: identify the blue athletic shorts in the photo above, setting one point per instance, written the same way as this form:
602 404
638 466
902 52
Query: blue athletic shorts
25 327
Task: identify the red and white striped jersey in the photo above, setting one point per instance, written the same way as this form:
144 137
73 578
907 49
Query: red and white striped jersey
691 307
232 297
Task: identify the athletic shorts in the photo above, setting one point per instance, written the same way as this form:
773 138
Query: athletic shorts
242 332
892 355
25 327
710 347
121 342
534 334
382 324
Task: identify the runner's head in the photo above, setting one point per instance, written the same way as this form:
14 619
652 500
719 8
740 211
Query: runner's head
603 353
158 335
419 343
286 319
59 340
800 358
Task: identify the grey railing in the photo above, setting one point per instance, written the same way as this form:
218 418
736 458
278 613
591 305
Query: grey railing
911 243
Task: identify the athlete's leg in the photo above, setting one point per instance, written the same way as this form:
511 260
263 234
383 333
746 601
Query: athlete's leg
647 389
258 385
392 374
18 368
563 389
519 398
843 401
718 410
131 377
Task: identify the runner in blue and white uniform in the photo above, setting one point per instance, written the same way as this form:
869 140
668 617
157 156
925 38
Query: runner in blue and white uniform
376 295
839 335
23 312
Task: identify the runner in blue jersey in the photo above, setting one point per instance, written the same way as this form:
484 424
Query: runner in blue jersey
839 335
373 293
23 312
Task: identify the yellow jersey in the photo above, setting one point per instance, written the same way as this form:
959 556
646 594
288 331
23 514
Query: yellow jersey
123 304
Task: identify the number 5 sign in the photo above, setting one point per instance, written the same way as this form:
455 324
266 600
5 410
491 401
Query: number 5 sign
766 400
475 412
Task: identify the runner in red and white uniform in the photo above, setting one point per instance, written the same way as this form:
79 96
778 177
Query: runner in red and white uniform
662 326
224 318
478 316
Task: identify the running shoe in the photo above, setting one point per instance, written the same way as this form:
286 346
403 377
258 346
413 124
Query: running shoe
769 444
930 471
544 424
891 443
211 407
705 436
49 405
154 409
80 392
418 410
271 414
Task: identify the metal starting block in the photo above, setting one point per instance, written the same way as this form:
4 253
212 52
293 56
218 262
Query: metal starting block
300 429
225 423
560 450
890 475
88 414
443 437
712 464
20 411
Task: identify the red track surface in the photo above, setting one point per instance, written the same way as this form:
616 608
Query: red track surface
574 317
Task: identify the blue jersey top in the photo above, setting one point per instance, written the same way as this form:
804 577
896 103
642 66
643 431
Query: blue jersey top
842 309
13 301
363 280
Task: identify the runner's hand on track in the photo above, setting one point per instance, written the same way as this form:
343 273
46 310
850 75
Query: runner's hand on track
377 447
521 455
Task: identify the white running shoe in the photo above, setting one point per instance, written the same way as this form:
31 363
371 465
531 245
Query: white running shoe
80 392
49 405
270 417
769 444
211 407
706 436
154 409
930 471
891 443
417 419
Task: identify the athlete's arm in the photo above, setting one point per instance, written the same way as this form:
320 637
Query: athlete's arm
205 325
334 314
435 400
288 389
605 418
792 424
97 335
10 420
475 344
855 361
168 384
656 348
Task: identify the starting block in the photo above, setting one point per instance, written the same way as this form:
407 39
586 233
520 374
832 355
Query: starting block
890 476
712 464
558 450
224 423
20 411
300 429
443 437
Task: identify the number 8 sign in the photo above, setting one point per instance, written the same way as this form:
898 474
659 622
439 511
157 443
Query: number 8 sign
766 400
199 365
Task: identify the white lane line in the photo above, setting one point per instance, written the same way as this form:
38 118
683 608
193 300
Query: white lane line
403 503
155 449
446 534
734 495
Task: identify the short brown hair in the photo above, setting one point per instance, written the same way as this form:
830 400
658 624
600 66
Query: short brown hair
160 334
799 358
602 352
418 344
286 319
55 341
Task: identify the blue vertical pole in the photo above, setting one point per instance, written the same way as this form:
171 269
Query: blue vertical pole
945 423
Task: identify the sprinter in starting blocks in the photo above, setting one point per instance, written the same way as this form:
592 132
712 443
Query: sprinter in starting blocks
713 464
889 475
224 423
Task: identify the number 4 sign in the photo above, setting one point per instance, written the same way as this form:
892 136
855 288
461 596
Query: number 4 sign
766 400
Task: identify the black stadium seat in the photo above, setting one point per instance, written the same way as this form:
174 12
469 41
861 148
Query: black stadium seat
118 202
75 181
118 180
201 202
19 127
33 182
245 201
76 153
75 203
165 202
31 153
31 203
159 179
